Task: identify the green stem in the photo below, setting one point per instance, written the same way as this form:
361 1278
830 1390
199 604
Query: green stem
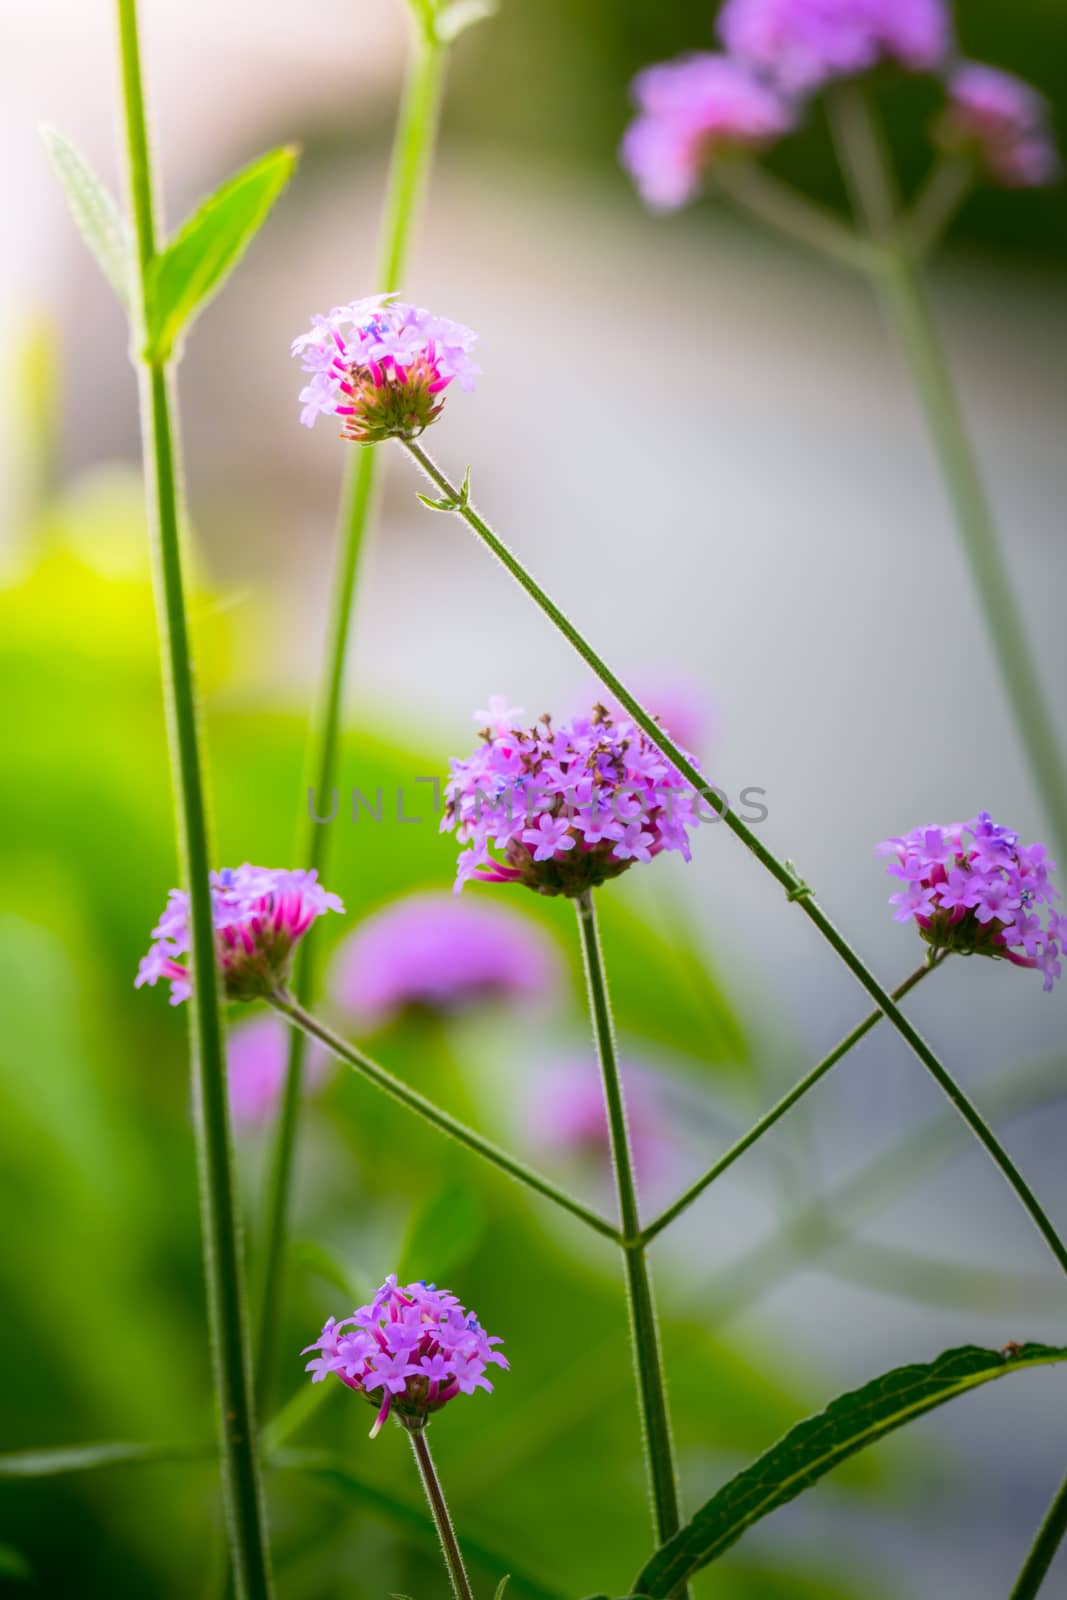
798 892
779 1110
223 1266
867 167
1043 1551
412 154
414 1101
457 1572
756 191
644 1331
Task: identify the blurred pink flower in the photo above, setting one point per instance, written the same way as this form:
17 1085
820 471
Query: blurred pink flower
803 44
689 111
565 1113
679 705
430 952
1004 121
257 1053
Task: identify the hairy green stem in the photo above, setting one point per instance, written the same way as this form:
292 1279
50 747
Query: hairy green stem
443 1120
223 1266
644 1330
457 501
867 167
457 1572
779 1110
1043 1551
412 154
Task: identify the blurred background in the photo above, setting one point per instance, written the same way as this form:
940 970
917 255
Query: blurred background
705 445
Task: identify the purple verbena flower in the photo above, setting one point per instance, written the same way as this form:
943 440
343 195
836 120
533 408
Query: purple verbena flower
973 888
567 805
410 1352
1003 121
382 366
257 1052
260 914
691 111
803 44
429 952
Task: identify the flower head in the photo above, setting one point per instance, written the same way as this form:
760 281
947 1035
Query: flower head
256 1056
973 888
430 952
802 44
260 913
410 1351
689 112
1004 121
569 805
382 366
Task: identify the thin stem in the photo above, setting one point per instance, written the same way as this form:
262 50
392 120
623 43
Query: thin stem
394 1087
797 891
223 1265
867 167
457 1572
756 191
950 181
779 1110
1043 1551
644 1331
412 154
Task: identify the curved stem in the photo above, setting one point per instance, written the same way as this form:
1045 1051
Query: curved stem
779 1110
443 1120
223 1265
644 1331
797 891
1043 1551
867 168
412 154
457 1572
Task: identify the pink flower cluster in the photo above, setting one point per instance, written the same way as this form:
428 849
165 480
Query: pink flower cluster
1004 121
971 887
410 1351
429 953
382 366
569 806
803 44
704 107
259 913
690 111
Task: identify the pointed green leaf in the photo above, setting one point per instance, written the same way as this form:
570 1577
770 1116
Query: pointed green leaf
94 211
207 247
498 1592
820 1443
87 1457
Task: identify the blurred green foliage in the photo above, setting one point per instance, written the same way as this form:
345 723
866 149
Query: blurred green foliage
104 1338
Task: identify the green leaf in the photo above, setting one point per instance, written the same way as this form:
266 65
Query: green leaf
443 1234
498 1592
13 1564
820 1443
94 211
207 247
87 1457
